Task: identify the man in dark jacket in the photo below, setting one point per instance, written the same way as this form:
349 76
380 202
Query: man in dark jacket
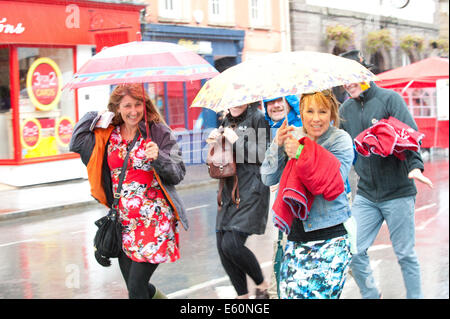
386 188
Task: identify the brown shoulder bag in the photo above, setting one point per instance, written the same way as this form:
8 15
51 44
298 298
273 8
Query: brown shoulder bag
221 165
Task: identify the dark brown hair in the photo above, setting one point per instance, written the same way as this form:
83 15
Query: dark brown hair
133 90
326 98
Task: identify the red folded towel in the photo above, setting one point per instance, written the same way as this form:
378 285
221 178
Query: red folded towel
388 137
293 199
316 172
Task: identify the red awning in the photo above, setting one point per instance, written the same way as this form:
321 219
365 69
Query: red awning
423 73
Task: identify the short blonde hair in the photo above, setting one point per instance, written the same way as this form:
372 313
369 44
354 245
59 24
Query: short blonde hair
326 98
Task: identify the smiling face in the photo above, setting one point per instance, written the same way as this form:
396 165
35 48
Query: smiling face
354 90
131 110
131 93
318 111
238 110
316 119
276 109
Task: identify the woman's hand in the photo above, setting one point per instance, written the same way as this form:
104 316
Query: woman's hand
283 133
151 151
418 176
291 146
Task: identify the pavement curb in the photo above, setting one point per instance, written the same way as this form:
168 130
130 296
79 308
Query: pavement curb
44 210
82 204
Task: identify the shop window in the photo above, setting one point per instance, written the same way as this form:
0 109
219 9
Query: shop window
174 10
260 13
6 147
221 12
47 115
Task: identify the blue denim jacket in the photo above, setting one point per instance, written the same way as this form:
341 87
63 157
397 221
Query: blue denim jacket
323 213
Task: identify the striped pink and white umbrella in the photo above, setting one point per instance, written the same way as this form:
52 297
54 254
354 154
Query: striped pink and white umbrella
141 62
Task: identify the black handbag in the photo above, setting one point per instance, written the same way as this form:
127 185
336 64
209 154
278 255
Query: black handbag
108 238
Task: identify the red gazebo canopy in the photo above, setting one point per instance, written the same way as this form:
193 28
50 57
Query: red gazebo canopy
423 73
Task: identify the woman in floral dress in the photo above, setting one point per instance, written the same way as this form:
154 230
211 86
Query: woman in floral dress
149 207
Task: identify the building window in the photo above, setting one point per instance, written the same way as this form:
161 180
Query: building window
175 10
47 115
215 7
221 12
168 5
260 13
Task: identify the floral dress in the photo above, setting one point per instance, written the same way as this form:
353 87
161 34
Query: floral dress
150 229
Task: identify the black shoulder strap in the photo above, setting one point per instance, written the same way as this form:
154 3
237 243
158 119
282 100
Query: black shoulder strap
122 173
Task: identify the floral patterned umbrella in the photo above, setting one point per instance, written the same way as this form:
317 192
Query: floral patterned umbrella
279 74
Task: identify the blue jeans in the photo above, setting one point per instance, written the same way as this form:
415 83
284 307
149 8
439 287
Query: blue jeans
399 216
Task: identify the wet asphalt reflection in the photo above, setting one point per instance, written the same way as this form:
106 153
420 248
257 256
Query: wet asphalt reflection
51 256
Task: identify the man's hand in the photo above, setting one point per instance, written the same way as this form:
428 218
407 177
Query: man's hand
283 133
418 176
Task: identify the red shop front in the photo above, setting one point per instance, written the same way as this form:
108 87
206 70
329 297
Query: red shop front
42 42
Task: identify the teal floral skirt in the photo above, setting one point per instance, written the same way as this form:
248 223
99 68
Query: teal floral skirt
315 270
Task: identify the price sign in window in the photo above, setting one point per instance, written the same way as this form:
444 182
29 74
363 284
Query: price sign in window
44 82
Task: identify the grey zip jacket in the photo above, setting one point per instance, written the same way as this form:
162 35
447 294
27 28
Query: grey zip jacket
168 166
380 178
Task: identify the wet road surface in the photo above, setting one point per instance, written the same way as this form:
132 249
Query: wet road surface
51 256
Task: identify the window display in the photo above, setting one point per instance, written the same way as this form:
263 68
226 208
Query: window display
47 115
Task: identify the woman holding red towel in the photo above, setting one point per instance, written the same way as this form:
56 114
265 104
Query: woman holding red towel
317 253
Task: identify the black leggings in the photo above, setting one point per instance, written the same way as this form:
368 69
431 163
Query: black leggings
238 260
137 276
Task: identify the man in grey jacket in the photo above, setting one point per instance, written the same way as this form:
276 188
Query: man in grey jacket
386 187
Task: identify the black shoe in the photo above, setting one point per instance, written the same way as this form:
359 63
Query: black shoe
261 294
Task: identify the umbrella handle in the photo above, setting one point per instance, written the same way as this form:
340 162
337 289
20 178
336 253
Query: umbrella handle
286 107
148 139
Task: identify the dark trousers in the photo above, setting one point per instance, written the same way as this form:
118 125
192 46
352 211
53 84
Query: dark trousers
137 276
237 260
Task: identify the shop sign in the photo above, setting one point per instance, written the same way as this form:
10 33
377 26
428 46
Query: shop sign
33 22
10 28
30 133
63 130
200 47
44 83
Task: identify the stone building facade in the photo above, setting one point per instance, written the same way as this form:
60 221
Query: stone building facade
309 23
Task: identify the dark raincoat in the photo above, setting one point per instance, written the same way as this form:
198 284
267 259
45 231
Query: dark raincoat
254 137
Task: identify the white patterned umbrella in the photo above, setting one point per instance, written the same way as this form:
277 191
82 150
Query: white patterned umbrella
277 75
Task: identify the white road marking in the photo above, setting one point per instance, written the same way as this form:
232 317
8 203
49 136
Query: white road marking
206 284
17 242
79 231
378 247
427 222
425 207
196 207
